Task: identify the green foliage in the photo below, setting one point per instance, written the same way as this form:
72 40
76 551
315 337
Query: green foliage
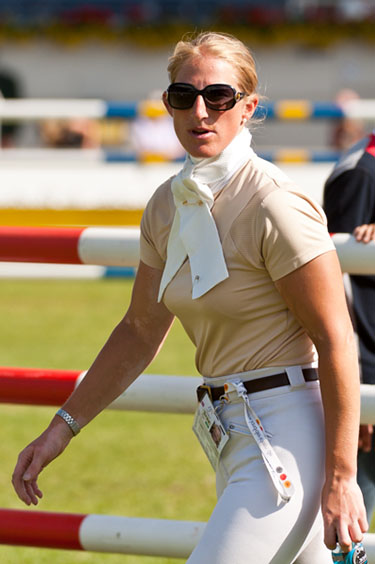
123 463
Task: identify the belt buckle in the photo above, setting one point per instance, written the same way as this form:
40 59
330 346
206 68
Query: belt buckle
202 390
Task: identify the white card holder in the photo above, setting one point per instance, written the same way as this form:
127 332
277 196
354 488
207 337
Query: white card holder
209 430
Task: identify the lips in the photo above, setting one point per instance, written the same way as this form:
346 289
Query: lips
199 132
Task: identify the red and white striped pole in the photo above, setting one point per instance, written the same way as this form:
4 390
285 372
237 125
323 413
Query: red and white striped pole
110 534
99 533
111 246
34 386
150 392
107 246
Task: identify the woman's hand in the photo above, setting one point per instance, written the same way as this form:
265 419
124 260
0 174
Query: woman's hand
36 456
343 512
365 233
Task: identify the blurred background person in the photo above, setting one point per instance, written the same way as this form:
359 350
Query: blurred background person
346 131
9 88
73 133
349 202
152 133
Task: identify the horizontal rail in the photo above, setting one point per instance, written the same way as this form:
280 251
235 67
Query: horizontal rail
109 534
150 392
43 108
108 246
69 216
39 271
99 533
103 246
289 155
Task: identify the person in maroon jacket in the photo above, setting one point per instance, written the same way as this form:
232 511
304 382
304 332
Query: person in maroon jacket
349 203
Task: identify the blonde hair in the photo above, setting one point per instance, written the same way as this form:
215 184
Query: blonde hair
222 46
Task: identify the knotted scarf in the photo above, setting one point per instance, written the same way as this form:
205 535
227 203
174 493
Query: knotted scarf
194 233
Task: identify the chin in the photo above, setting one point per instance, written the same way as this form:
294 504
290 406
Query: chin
205 152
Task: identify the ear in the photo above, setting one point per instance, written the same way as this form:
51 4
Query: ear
165 102
249 107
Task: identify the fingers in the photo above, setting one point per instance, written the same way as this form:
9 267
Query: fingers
35 457
330 538
33 492
365 437
344 516
25 474
365 233
345 536
339 534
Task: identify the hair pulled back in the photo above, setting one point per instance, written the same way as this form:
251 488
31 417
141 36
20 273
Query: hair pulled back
222 46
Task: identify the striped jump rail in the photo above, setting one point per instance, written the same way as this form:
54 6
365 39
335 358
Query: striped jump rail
109 534
99 533
24 109
108 246
150 392
287 155
69 245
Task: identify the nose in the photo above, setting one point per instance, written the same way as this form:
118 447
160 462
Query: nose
199 107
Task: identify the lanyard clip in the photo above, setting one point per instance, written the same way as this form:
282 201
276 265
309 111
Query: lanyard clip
202 390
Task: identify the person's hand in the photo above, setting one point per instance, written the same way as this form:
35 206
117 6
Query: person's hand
36 456
344 513
365 233
365 437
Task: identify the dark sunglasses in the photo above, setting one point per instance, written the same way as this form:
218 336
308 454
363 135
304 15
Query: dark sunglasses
220 97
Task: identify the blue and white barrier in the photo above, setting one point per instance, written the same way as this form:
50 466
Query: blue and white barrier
24 109
117 156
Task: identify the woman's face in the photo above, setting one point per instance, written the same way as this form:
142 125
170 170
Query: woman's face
204 132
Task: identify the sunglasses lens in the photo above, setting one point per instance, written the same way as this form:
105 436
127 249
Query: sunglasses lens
219 97
181 97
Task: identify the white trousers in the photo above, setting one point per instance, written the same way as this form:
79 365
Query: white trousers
250 523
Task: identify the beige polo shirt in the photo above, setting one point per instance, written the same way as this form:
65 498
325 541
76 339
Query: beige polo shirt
267 229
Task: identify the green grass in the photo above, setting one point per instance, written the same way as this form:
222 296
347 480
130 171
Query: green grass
123 463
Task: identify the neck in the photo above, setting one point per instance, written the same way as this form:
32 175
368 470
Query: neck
242 139
216 171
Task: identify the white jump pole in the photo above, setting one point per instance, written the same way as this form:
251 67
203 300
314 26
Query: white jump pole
355 258
150 392
368 404
99 533
119 246
109 534
148 537
160 393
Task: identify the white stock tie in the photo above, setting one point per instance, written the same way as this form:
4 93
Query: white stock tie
194 232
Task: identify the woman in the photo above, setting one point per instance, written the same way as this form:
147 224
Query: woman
247 265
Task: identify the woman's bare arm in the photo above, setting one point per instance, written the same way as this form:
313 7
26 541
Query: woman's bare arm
315 295
130 348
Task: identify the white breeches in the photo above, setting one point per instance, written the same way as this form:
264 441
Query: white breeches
250 523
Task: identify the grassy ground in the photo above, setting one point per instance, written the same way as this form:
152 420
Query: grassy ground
131 464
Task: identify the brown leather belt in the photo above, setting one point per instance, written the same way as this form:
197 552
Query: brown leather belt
259 384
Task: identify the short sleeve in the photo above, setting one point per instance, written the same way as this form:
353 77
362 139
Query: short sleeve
148 253
294 232
155 227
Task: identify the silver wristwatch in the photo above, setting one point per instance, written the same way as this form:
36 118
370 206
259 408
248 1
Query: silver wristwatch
73 424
